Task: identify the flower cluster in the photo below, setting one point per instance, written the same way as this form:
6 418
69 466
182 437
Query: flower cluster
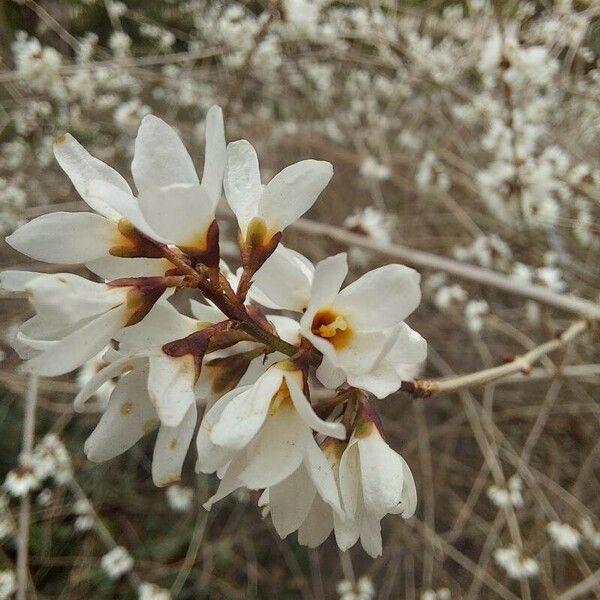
322 466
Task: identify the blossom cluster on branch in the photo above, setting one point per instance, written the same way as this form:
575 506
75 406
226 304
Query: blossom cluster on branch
321 465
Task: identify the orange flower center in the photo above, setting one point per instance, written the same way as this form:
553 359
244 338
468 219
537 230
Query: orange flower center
333 327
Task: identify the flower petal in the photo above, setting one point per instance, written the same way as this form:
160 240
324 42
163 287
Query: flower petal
318 524
243 417
242 182
229 482
330 375
180 213
321 474
160 158
347 532
327 281
128 416
290 501
82 168
292 192
408 503
114 267
349 476
277 451
215 154
171 387
73 350
370 535
380 298
64 237
171 447
16 281
308 415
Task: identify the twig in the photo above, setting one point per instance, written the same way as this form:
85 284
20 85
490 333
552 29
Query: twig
25 509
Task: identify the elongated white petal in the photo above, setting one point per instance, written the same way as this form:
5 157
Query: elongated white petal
382 380
330 375
409 346
321 474
318 524
349 476
328 278
243 417
16 281
171 387
67 238
73 350
82 168
205 313
308 415
128 416
285 279
229 482
124 204
382 474
242 182
114 267
210 456
287 329
408 503
277 451
347 532
126 363
215 154
290 501
292 192
180 213
361 354
160 158
171 447
380 298
370 535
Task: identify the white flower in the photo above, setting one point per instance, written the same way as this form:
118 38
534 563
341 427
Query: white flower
8 584
21 481
7 526
262 434
162 170
180 498
363 589
268 210
117 562
50 458
149 591
516 565
343 325
474 311
89 370
563 535
512 494
85 515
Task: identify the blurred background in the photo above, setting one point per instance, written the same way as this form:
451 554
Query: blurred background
468 130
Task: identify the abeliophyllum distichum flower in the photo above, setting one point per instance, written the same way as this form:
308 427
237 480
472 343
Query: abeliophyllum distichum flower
322 466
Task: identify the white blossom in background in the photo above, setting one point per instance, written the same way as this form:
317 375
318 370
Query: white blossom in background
91 368
370 168
180 498
84 521
116 563
590 532
475 310
564 535
363 589
21 481
7 525
8 584
512 494
516 564
149 591
439 594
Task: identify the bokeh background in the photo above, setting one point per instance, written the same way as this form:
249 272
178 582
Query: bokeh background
468 130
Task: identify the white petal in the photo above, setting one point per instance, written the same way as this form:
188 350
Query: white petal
317 526
380 298
171 387
124 204
382 474
347 532
408 504
370 535
160 158
229 482
409 347
72 351
360 355
82 168
292 192
210 456
16 281
350 479
242 182
290 501
285 279
115 267
330 375
321 474
277 451
287 329
180 213
308 415
243 417
114 369
382 380
215 154
128 416
205 313
171 447
67 238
